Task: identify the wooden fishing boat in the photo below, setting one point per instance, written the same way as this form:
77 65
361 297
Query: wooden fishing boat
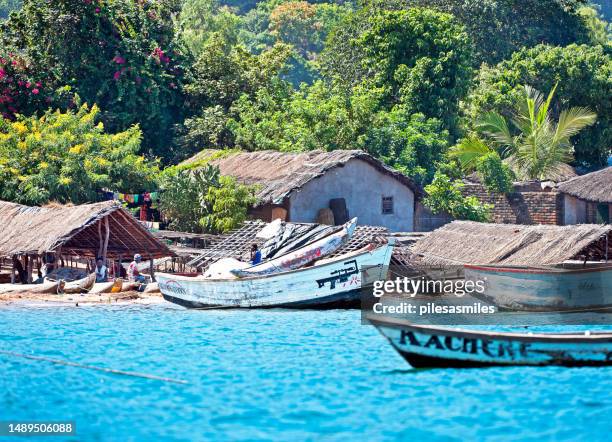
544 289
302 256
332 282
106 287
81 285
426 346
44 288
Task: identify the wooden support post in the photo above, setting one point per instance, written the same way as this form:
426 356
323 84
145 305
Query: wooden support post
151 268
100 240
106 237
13 270
30 263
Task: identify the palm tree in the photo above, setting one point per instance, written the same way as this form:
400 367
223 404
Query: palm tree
538 147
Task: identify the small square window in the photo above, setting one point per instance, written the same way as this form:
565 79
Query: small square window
387 205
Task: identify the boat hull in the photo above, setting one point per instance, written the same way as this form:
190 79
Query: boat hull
433 347
333 283
522 289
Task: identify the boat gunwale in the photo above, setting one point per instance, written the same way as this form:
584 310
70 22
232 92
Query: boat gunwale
356 253
569 337
538 271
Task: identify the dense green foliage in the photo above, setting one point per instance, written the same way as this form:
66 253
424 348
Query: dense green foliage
496 176
584 78
400 79
121 55
200 200
400 112
444 195
221 75
6 6
68 157
500 27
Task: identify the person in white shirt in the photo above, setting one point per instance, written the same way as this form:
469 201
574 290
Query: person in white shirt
101 271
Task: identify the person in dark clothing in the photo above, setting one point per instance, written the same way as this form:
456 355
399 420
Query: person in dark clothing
255 255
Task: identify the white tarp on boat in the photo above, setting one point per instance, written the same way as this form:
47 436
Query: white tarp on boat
302 256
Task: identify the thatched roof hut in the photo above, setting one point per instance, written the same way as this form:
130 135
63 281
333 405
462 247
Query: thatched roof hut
595 186
76 230
279 174
466 242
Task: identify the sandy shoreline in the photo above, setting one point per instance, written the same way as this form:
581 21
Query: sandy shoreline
124 298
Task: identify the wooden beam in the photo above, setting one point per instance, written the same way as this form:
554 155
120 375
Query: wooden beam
100 238
151 268
30 265
13 270
104 250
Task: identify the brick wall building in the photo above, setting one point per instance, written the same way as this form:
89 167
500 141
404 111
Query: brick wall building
529 203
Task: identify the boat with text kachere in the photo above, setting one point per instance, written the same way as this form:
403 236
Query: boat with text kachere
331 282
432 346
545 289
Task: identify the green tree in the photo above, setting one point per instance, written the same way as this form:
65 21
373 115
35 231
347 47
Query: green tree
496 176
202 20
199 199
68 157
229 202
221 75
183 196
538 146
444 195
315 117
121 55
420 58
6 6
584 78
500 27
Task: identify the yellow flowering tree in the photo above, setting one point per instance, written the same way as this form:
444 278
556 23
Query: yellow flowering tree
68 157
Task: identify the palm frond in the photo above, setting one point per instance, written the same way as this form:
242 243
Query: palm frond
573 121
468 151
495 127
543 111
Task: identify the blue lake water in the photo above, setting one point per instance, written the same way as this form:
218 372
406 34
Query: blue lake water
273 375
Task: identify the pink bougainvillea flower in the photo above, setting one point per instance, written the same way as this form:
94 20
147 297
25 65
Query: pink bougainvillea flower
119 59
20 83
97 10
38 84
28 84
116 75
2 73
35 91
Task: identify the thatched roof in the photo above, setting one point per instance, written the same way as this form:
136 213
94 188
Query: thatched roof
466 242
595 186
280 173
74 229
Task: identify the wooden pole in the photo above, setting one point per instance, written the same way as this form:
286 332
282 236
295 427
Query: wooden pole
151 268
100 238
107 236
13 270
30 262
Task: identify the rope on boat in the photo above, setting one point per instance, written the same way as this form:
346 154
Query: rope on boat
92 367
